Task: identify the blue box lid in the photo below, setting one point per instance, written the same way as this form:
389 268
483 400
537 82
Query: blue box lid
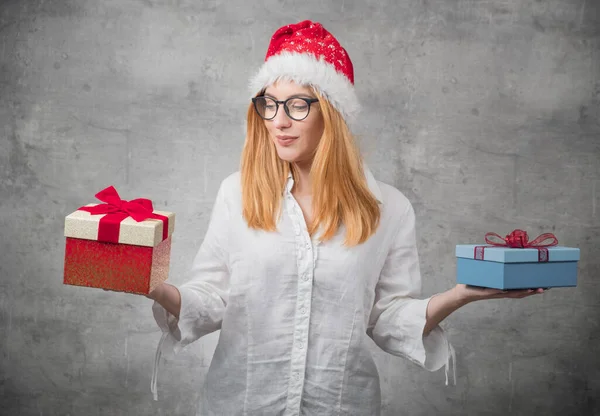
517 255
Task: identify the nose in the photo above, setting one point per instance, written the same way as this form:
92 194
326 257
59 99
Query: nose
281 120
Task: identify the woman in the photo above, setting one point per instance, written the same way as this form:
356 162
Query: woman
307 257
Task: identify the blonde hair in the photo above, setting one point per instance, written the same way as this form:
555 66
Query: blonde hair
340 194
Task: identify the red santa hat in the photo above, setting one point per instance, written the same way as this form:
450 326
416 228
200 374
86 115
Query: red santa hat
308 54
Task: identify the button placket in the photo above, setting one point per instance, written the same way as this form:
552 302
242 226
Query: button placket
305 264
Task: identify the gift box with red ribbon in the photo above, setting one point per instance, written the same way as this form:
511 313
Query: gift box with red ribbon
119 245
514 262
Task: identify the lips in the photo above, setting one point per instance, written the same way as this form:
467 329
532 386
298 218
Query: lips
286 140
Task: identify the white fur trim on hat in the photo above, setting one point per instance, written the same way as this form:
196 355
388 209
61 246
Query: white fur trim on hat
306 69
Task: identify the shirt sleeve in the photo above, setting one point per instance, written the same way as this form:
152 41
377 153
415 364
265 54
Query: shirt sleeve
204 297
398 316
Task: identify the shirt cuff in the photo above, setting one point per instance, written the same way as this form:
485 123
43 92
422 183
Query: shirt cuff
168 324
432 351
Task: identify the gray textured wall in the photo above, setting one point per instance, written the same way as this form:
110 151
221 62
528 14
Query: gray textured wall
486 114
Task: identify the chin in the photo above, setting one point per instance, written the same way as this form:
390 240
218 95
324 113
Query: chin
287 157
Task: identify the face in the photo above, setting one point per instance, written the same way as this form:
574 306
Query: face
295 141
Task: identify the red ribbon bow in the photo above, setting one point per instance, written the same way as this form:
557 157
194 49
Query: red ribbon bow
117 210
519 239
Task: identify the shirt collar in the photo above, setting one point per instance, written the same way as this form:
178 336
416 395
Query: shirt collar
371 183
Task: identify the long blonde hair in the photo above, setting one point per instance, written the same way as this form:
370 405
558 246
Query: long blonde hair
340 194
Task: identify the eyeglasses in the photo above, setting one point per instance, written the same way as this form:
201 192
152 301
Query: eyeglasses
297 108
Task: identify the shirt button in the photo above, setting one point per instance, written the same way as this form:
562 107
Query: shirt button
305 277
303 311
296 376
300 345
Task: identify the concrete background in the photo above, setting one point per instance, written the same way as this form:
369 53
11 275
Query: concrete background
486 114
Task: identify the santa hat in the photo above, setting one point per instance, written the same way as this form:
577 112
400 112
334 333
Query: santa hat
308 54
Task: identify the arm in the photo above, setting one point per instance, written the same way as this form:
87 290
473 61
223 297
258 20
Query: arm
403 324
196 308
442 305
399 315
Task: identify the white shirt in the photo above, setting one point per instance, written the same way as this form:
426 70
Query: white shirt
296 314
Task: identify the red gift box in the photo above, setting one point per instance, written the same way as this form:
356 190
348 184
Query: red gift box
120 245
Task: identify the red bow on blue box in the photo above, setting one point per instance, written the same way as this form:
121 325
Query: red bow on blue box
519 239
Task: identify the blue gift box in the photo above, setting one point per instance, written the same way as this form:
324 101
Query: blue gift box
516 268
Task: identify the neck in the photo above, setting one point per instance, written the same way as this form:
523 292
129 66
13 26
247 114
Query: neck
302 183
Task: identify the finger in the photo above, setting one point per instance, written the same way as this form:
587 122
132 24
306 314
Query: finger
532 292
518 294
512 293
505 295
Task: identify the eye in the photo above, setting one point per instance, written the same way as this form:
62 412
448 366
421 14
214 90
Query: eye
297 105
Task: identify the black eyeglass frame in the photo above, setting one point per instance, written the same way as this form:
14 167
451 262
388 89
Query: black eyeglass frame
308 101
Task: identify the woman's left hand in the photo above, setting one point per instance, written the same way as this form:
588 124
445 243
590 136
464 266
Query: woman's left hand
469 294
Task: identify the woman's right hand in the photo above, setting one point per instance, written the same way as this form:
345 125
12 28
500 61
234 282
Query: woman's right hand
168 297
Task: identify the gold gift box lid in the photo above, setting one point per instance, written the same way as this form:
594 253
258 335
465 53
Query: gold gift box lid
84 225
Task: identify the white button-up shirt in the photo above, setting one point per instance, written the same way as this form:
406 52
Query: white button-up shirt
297 315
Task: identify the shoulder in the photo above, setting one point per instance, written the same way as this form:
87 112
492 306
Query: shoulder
230 190
232 183
397 213
393 200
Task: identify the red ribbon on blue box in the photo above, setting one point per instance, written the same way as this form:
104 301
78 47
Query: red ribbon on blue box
518 239
117 209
